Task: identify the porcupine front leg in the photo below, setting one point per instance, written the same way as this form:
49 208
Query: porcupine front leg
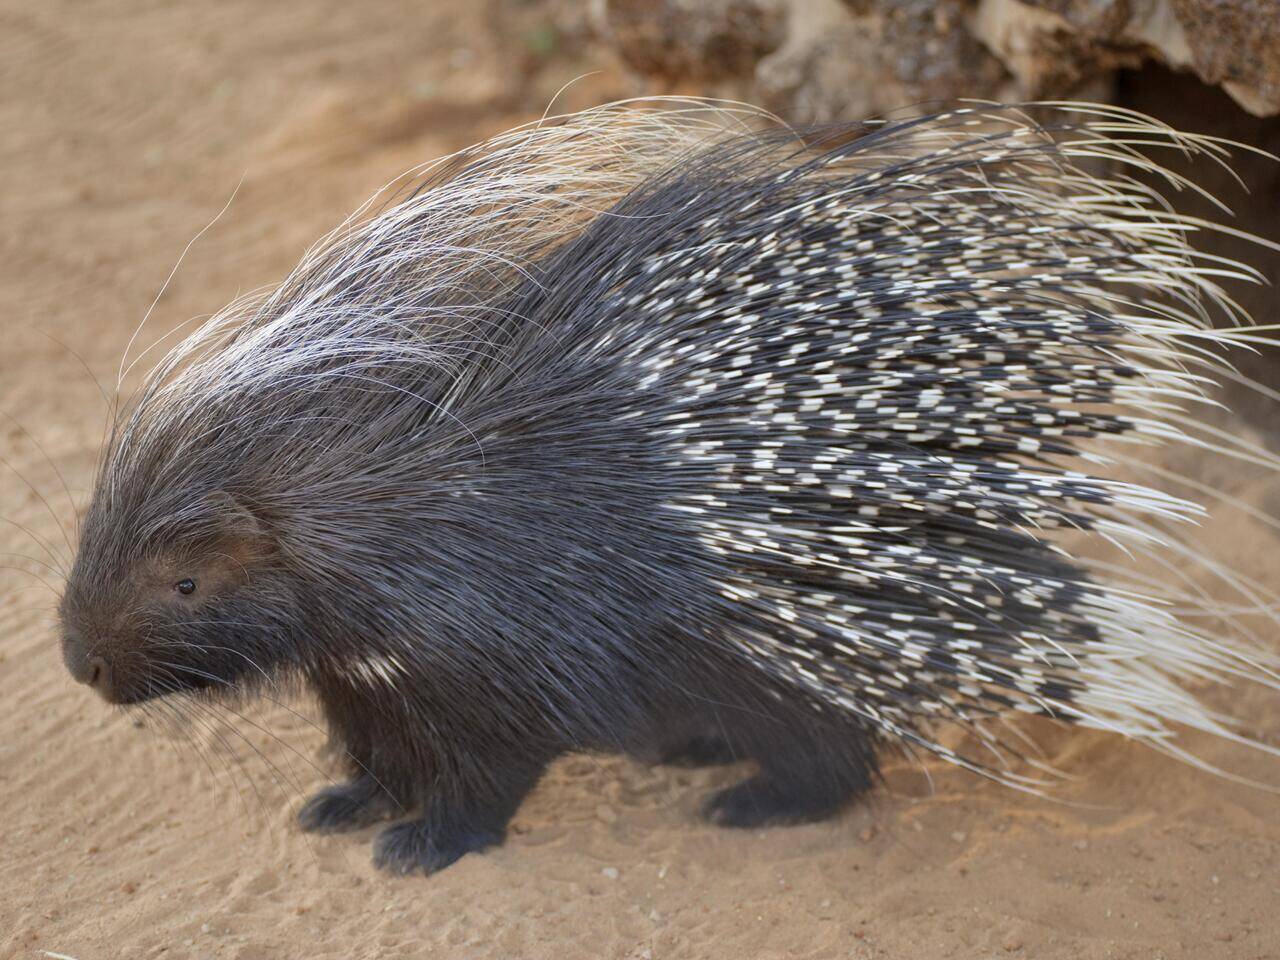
371 794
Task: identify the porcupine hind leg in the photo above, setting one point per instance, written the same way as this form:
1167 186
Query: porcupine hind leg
699 750
701 742
460 818
803 777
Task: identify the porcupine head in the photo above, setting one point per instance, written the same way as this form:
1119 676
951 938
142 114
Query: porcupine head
628 433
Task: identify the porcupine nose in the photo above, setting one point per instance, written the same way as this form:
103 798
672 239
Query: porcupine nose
91 670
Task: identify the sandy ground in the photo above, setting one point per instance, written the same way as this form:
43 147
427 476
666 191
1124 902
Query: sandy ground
124 128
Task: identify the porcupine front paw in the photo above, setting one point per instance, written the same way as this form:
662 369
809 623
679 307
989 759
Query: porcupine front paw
347 806
420 845
470 817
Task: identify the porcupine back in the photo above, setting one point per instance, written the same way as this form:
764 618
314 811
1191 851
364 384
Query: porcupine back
876 364
857 372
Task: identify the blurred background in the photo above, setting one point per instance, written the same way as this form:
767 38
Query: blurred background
127 126
154 112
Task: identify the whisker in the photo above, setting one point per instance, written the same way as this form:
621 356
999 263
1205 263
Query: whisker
71 501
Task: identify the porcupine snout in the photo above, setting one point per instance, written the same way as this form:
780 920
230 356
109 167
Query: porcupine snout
84 665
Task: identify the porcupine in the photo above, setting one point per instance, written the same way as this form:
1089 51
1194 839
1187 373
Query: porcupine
638 431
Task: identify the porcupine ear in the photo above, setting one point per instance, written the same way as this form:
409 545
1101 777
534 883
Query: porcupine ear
235 519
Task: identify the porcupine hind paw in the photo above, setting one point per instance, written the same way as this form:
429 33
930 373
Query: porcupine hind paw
762 801
798 788
347 806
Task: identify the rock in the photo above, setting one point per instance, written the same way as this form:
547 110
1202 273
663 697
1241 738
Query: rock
1049 45
606 813
848 60
1236 43
815 60
692 40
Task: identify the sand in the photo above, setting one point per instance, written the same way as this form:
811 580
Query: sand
124 129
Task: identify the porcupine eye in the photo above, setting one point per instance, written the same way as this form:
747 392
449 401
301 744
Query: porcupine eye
185 587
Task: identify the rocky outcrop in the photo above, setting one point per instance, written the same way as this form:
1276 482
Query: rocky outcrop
1047 45
821 59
